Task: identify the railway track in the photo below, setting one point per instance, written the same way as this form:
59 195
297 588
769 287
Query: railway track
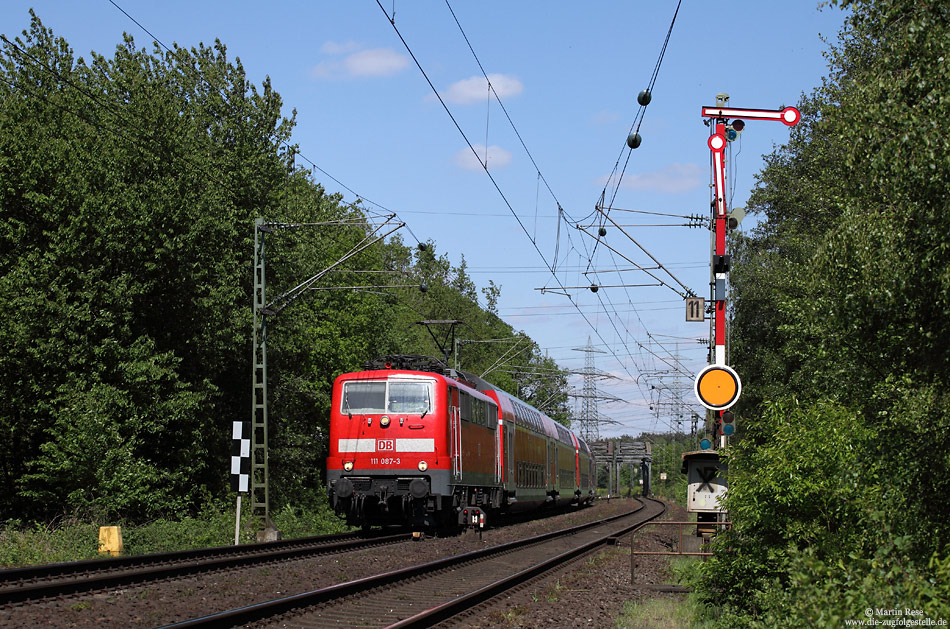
425 594
19 585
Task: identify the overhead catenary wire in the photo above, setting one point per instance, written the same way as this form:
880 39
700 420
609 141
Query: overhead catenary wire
494 182
638 118
131 132
285 144
503 108
360 197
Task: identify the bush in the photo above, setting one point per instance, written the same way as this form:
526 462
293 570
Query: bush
73 540
69 540
295 522
817 536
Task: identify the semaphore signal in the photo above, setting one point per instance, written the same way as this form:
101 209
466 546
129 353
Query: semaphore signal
789 115
718 386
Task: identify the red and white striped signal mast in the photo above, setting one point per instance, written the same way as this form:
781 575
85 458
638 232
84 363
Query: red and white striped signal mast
718 386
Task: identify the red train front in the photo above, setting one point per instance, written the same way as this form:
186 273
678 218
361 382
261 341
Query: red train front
402 442
415 446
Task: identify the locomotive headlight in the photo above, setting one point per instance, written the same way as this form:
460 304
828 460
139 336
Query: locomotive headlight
423 466
384 421
348 466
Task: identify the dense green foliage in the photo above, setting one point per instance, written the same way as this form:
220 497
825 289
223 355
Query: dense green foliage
74 540
839 483
129 186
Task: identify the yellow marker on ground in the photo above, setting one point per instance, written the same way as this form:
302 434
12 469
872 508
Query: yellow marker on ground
110 540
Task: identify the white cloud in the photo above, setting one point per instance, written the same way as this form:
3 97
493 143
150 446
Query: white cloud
675 178
497 157
374 62
475 89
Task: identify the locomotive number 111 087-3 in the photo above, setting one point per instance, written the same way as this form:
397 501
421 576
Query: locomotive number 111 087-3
385 461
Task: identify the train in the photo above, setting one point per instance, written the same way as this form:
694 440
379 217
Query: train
415 443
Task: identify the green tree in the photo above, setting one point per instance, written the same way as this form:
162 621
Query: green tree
127 186
839 299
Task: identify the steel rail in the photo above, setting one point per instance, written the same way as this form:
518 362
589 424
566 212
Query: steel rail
38 582
460 604
288 604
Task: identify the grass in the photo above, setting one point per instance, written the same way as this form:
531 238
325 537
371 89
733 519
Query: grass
508 618
73 540
668 611
661 613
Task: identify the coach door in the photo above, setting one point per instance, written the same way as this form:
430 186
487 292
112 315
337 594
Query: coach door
552 465
511 475
455 433
499 449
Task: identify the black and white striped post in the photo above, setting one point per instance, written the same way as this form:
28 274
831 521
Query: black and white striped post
240 468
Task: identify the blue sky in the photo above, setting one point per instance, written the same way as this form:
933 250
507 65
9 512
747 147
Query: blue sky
568 75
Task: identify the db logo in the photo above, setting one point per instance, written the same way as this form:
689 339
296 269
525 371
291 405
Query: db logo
385 445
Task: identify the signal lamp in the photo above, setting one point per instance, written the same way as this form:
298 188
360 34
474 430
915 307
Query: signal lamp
423 466
727 417
728 429
734 129
348 466
705 444
384 421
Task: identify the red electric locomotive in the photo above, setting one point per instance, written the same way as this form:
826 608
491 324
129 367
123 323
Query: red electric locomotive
413 442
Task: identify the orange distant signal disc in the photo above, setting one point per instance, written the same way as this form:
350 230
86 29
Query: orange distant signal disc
717 387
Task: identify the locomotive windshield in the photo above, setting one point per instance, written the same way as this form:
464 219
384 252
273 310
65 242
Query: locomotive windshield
407 396
364 397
